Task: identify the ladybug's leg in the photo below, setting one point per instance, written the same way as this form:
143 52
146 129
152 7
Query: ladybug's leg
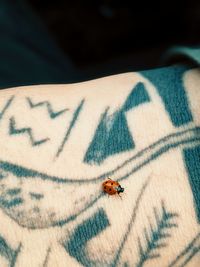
119 195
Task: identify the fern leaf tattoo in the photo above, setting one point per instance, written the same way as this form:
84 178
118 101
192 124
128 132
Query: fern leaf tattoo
156 236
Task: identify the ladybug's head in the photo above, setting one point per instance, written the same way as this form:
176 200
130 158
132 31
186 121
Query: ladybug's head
120 189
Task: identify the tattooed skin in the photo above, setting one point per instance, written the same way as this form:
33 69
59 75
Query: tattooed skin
59 145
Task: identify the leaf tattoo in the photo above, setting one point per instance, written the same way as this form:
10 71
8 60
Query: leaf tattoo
156 237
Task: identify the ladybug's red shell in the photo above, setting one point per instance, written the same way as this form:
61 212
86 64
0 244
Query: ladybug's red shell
112 187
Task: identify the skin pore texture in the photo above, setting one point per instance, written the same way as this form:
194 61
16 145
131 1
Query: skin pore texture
59 143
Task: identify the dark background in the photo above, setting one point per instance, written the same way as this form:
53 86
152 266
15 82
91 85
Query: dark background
102 35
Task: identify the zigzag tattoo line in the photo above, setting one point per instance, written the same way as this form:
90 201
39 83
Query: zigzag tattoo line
52 114
14 131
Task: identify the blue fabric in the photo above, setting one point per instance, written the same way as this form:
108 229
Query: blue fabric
189 53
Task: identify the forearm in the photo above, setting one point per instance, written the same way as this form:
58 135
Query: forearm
60 142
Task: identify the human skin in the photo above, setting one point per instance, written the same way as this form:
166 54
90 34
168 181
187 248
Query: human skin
59 143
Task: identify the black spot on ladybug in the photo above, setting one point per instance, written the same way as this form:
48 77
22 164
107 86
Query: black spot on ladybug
110 189
104 187
111 183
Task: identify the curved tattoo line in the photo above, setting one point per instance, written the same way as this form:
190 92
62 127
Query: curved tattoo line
170 144
188 252
73 217
156 149
131 223
167 138
74 118
62 222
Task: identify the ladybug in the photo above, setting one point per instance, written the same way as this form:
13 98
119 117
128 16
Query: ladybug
112 187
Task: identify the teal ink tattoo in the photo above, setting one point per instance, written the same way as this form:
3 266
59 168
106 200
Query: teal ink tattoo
28 131
156 237
52 114
137 97
73 217
130 166
10 198
3 175
93 226
87 230
156 149
191 250
112 135
192 164
131 224
8 253
164 149
7 204
45 264
7 105
36 196
13 191
72 123
169 84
